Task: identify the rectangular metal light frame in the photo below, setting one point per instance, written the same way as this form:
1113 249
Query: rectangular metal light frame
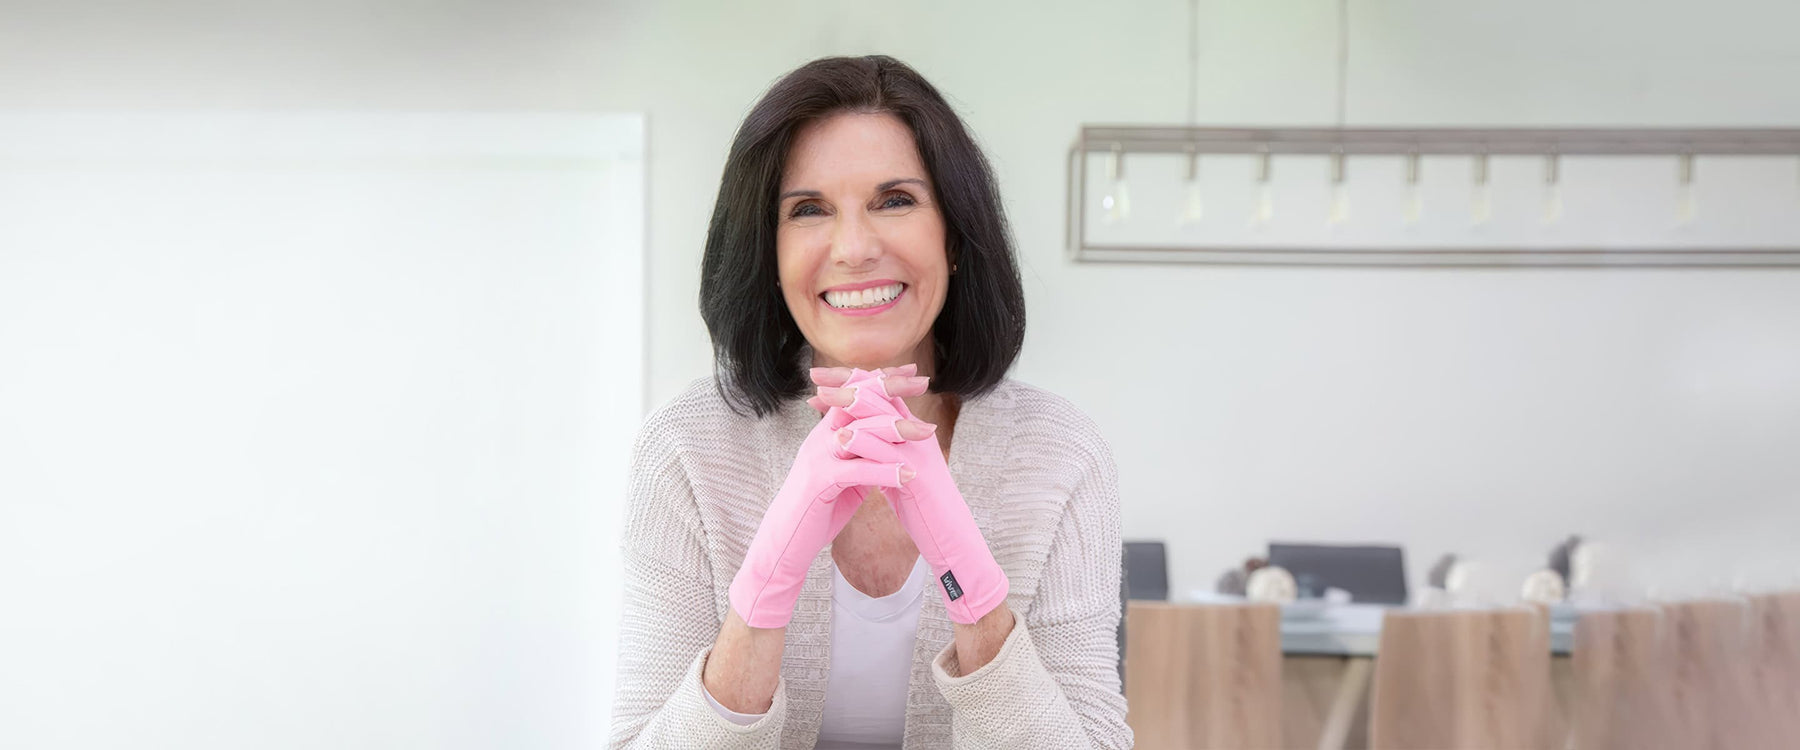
1674 142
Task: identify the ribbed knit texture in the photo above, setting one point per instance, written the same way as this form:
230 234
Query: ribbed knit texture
1041 484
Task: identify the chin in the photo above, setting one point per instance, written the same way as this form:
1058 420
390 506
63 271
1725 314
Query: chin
867 354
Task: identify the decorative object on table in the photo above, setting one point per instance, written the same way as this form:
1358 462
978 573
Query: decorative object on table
1601 572
1479 583
1561 557
1436 594
1440 571
1431 597
1232 581
1543 587
1271 584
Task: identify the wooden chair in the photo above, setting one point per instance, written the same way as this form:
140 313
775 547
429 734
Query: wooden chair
1620 662
1775 665
1204 676
1462 679
1709 672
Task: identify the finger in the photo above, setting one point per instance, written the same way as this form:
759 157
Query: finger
883 427
830 376
905 413
837 419
861 472
838 397
913 429
871 400
905 371
907 387
818 405
853 444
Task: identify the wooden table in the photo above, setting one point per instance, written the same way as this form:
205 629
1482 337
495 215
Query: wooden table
1326 664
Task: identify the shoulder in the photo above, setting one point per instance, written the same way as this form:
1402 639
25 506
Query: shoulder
693 418
1049 421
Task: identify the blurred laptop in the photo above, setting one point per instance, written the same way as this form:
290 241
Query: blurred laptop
1373 574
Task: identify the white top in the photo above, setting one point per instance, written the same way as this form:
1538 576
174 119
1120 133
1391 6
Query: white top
1042 487
871 665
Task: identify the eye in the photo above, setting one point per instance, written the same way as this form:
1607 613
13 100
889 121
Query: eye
805 210
897 200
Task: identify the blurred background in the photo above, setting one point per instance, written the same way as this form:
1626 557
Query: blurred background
325 328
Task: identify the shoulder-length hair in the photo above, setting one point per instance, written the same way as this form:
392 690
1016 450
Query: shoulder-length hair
756 344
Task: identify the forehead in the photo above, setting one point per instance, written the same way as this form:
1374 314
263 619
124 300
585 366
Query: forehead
849 149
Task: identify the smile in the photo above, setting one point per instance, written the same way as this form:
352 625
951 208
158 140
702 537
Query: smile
870 300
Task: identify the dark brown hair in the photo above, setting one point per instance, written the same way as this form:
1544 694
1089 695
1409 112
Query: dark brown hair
756 344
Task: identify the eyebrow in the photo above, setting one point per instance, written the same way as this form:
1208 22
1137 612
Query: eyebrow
889 185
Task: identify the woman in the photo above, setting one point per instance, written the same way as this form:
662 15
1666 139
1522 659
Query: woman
935 562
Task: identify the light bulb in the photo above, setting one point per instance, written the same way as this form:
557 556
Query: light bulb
1481 208
1686 203
1117 201
1340 196
1193 209
1552 189
1415 198
1265 193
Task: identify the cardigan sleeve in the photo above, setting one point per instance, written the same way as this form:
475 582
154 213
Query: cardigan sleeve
669 623
1055 681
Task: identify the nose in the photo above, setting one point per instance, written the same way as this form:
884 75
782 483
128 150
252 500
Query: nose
854 242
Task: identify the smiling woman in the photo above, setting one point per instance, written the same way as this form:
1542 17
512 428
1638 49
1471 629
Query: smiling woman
852 581
854 173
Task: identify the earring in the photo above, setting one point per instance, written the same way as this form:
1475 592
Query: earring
952 268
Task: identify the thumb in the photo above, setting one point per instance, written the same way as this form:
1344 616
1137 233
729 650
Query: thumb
912 429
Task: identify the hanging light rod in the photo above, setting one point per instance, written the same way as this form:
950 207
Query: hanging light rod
1442 141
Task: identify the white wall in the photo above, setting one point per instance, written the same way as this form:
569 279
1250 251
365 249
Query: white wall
1468 410
310 427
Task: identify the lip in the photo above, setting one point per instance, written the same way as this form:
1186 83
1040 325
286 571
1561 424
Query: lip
864 311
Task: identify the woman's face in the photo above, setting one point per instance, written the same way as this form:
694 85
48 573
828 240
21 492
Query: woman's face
860 242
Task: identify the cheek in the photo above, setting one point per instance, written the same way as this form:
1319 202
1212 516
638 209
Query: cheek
796 273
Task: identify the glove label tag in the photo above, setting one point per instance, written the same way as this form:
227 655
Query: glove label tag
951 589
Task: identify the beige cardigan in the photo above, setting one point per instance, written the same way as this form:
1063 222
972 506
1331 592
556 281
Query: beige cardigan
1041 484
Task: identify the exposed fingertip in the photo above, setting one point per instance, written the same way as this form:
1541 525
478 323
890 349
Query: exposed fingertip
844 436
907 474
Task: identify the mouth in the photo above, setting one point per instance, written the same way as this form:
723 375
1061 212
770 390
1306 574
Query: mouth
867 300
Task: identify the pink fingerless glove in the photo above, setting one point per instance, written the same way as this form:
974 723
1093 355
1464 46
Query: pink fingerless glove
818 498
929 506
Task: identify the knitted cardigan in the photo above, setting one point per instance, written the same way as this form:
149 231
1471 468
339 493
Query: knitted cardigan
1041 484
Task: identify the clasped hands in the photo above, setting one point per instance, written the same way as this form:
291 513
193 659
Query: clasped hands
867 438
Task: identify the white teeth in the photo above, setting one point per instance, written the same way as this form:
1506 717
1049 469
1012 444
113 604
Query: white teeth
864 297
